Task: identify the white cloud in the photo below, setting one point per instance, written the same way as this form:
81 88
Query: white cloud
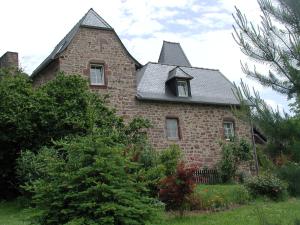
275 105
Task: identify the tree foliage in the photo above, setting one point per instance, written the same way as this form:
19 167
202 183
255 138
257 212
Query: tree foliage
16 128
86 181
274 43
34 117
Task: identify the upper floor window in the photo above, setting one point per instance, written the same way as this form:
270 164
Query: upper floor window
228 130
172 128
183 89
97 74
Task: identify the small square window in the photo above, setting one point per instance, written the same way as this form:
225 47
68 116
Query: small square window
172 128
182 87
228 130
96 74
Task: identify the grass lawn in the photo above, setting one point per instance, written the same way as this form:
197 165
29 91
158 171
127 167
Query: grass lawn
281 213
11 213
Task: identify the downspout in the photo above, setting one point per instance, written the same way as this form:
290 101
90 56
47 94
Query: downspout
254 146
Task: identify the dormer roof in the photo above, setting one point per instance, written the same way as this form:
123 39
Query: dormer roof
172 54
177 72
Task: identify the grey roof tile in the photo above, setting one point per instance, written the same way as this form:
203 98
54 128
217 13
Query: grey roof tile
92 19
177 72
171 53
207 86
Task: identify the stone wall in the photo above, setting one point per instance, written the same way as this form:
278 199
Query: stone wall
9 60
48 73
102 46
201 126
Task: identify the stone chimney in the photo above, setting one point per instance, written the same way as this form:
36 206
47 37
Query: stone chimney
9 60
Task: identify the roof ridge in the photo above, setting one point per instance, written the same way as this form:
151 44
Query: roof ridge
171 42
98 16
184 54
193 67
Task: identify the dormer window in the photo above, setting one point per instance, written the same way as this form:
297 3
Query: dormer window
183 88
178 82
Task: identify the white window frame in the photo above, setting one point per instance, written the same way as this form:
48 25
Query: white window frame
185 88
172 131
100 80
228 130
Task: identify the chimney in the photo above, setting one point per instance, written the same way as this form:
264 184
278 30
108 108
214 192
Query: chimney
9 60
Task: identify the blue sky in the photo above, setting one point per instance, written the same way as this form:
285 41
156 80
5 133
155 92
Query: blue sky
203 27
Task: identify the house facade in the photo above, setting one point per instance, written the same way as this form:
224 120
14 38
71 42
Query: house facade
186 105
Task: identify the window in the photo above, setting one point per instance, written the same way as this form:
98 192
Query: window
228 130
172 128
97 74
182 86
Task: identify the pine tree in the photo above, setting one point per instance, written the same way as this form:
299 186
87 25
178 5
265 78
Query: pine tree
275 43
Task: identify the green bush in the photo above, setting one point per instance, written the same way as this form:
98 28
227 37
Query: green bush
16 126
170 158
267 185
291 174
86 181
34 117
233 153
150 170
154 165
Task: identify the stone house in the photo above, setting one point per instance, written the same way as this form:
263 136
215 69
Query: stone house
186 105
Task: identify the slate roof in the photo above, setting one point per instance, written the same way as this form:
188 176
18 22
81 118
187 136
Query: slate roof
207 86
172 54
92 20
177 72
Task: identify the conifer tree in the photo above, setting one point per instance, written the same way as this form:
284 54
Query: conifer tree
275 43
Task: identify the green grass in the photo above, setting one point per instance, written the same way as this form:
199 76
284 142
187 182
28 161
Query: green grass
221 196
12 213
283 213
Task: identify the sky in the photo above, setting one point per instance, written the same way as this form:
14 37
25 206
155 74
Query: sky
202 27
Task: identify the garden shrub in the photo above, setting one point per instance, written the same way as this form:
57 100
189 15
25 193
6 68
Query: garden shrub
150 171
154 165
233 153
86 181
34 117
16 125
170 158
291 174
267 185
175 189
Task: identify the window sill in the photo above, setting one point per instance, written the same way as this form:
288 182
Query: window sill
173 139
98 86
